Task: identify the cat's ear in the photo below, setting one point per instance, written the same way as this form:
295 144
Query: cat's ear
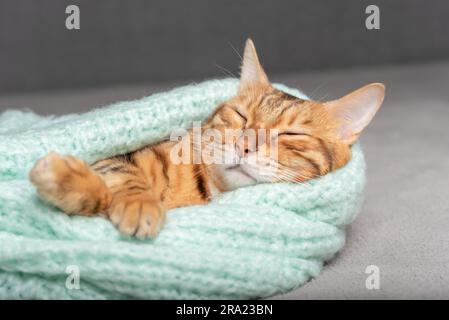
252 73
354 112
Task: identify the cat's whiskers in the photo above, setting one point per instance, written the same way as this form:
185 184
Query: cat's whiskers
312 95
235 50
283 171
226 71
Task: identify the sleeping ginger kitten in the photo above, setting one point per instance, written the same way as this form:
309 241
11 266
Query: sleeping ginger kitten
136 189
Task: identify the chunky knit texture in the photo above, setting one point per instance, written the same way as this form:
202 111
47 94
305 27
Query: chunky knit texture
253 242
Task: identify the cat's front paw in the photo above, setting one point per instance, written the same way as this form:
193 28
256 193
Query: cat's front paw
137 215
69 184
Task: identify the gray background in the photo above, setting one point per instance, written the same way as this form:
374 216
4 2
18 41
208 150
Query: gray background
126 50
147 41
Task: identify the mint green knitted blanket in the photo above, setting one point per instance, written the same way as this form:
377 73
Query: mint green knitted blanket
253 242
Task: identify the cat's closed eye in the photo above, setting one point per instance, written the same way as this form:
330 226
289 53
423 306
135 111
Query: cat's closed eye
239 114
292 133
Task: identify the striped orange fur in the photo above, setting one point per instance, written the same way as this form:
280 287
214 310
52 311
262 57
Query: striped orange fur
135 190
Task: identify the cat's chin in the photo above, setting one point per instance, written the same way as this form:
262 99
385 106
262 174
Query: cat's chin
236 177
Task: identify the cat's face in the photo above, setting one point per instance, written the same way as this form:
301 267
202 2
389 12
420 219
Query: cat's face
299 140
